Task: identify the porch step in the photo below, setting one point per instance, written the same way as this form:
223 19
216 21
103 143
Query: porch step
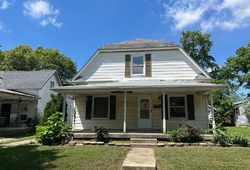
143 145
143 140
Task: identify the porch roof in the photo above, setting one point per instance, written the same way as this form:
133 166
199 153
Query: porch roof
9 94
143 85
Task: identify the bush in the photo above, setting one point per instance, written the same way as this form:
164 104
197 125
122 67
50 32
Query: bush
102 134
189 134
237 138
54 105
54 131
221 137
225 139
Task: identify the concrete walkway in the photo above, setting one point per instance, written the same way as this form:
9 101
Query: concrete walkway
140 159
17 143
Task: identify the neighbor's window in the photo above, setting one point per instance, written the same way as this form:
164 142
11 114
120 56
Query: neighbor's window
177 107
138 65
101 108
52 84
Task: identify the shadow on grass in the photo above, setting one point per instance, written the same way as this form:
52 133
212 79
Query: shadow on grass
27 157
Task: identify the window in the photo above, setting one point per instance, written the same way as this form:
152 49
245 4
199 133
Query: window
177 107
101 107
52 84
138 65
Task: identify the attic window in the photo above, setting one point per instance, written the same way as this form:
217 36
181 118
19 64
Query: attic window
52 84
138 65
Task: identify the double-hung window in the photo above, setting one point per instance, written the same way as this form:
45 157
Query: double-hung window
138 65
101 107
177 106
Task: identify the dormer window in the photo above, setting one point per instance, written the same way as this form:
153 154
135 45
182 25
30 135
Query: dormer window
138 65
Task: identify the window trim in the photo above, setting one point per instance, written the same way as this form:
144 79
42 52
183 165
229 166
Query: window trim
93 105
144 66
185 107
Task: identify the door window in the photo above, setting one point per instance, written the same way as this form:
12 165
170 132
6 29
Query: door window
144 109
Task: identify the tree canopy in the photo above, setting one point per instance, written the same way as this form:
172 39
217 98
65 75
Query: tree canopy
198 46
237 68
24 58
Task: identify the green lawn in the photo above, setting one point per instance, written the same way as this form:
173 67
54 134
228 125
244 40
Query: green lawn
203 158
62 157
243 130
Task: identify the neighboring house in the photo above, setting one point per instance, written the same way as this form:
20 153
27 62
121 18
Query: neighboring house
140 85
24 94
240 117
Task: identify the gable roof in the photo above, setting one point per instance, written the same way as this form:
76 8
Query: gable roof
138 43
25 79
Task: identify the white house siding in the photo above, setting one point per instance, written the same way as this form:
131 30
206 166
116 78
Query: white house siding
79 122
44 94
171 64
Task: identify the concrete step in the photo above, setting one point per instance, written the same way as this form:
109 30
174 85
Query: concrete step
143 140
140 159
143 145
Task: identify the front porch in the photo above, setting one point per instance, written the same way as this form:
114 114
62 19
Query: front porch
16 109
138 112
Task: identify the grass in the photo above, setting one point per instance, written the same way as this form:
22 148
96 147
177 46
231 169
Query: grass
62 157
243 130
203 158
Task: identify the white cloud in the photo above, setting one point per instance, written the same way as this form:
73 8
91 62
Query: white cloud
42 11
5 4
208 14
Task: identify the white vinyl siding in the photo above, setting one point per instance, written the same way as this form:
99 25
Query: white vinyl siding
79 122
170 64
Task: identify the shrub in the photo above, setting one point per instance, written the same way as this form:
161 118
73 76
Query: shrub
224 139
221 137
54 105
237 138
54 131
102 134
189 134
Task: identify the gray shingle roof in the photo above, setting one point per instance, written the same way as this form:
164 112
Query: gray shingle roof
138 43
18 80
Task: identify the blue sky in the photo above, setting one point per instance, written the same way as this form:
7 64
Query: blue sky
78 27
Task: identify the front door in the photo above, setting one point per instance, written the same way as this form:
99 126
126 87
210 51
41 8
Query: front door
144 113
5 114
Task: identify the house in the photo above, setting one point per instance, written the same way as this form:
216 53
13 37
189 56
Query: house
139 85
240 116
24 94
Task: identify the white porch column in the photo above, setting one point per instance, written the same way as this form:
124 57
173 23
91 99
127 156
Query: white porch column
125 112
163 112
64 106
212 111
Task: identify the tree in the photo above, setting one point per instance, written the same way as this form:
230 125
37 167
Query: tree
237 68
24 58
198 46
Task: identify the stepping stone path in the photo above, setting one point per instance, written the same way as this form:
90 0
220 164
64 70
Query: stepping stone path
140 159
